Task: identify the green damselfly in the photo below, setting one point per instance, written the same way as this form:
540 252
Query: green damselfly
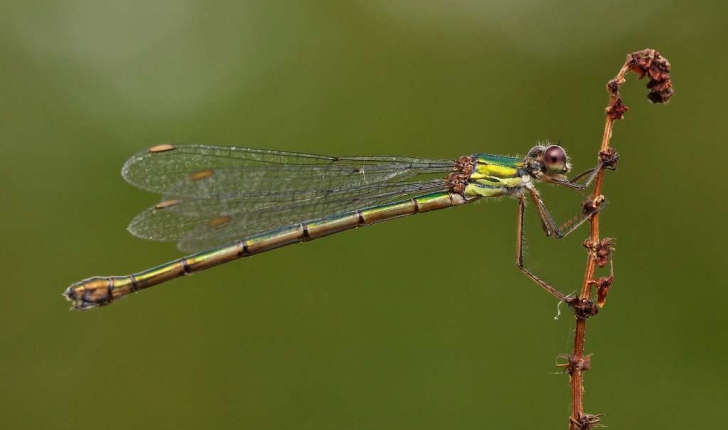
257 200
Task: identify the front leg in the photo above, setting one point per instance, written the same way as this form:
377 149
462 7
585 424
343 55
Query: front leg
607 160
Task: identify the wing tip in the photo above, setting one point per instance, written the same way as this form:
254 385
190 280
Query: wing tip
127 170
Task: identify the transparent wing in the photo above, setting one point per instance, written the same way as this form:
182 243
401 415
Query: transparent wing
197 224
218 171
221 194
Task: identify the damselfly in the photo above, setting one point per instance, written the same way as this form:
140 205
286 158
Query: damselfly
257 200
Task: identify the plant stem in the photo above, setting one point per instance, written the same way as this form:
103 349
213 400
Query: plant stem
645 63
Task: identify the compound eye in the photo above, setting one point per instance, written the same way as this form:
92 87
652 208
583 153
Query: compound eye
554 159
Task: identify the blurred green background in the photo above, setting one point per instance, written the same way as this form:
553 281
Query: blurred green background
414 324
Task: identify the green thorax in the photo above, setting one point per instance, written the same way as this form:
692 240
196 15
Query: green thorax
495 175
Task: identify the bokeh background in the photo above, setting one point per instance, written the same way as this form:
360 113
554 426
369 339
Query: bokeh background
422 323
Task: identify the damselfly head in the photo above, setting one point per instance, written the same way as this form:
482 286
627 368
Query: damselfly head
555 160
547 161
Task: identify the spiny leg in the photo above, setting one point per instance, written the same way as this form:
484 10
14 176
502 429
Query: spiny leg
592 174
572 183
519 252
547 221
608 160
548 225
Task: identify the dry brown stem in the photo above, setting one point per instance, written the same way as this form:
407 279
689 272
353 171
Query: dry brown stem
649 63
